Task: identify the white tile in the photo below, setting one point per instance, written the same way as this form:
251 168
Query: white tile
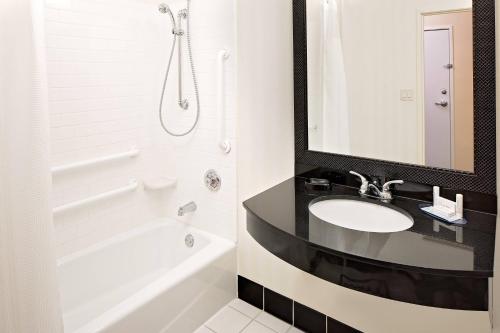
104 82
256 327
203 329
272 322
59 4
245 308
228 320
294 330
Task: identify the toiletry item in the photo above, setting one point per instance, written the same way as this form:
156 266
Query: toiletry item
435 195
444 209
317 185
460 206
444 206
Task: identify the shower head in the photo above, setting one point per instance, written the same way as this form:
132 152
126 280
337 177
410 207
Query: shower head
164 8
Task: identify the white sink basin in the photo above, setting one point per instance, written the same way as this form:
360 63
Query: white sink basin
361 216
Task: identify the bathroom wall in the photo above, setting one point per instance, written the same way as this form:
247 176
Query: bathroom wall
315 74
265 102
377 70
106 62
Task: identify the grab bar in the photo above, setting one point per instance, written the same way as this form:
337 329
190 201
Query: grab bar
223 142
133 186
82 164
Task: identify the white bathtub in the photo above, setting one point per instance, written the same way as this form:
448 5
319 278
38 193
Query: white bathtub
147 280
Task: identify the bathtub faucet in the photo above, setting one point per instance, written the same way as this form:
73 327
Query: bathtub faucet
188 208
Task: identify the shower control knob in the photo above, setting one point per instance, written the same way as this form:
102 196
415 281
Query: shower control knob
212 180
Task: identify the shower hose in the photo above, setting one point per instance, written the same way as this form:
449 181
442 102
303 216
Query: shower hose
195 82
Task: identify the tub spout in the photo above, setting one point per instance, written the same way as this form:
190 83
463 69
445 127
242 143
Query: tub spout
188 208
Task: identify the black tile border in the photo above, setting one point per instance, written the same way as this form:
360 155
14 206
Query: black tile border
303 317
483 179
308 319
278 305
335 326
251 292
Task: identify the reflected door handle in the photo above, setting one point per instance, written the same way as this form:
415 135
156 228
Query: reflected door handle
442 103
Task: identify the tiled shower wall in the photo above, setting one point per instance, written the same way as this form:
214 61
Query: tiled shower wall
106 61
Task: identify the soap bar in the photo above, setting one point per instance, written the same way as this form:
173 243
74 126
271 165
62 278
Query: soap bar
445 211
431 210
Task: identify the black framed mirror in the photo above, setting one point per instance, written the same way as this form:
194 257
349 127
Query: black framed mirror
436 150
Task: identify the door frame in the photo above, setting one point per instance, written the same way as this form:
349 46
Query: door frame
451 92
421 14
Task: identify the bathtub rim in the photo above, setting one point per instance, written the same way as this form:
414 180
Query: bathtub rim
216 248
123 236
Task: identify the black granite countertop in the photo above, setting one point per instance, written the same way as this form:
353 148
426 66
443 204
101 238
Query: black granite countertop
430 246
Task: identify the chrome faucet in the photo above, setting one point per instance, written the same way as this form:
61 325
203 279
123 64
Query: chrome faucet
385 195
363 190
188 208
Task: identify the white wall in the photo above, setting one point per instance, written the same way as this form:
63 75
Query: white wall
106 61
380 40
265 135
265 112
265 95
315 74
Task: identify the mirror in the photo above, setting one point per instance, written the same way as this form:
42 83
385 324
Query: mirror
392 80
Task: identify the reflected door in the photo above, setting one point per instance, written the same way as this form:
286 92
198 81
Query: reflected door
438 108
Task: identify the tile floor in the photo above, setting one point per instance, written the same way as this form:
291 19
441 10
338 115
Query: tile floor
239 316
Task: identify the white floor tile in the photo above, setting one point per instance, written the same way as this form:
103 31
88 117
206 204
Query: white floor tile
228 320
203 329
272 322
245 308
294 330
256 327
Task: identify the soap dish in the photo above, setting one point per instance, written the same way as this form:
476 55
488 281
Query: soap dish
317 185
160 183
440 218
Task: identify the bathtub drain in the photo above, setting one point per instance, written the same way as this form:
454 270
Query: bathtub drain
189 240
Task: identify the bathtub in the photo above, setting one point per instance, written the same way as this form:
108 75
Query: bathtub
147 280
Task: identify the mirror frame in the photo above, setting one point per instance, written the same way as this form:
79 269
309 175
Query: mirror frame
483 179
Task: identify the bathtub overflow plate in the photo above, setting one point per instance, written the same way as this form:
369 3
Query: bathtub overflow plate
212 180
189 240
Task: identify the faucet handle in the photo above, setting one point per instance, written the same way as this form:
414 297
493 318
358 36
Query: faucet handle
387 186
364 182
